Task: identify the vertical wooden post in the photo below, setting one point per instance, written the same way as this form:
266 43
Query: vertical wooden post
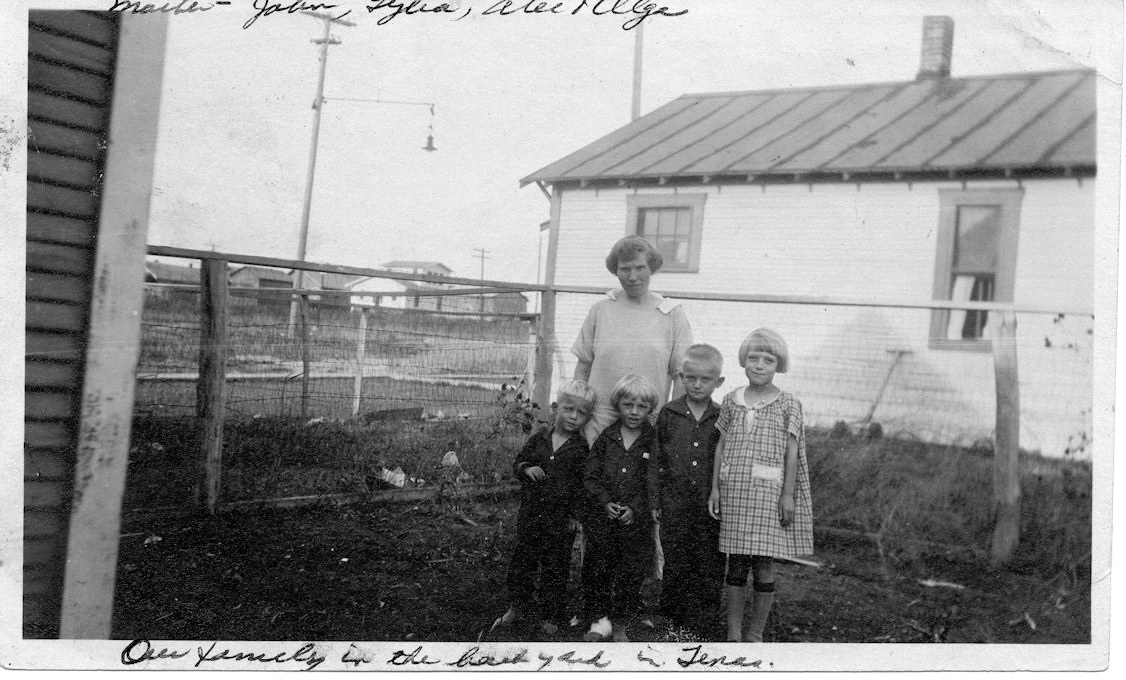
304 356
360 349
1006 452
114 340
211 387
545 337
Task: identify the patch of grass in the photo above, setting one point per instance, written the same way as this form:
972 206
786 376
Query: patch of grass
282 457
917 500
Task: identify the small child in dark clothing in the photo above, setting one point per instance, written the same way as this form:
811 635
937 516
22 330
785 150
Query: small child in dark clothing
550 466
680 479
618 526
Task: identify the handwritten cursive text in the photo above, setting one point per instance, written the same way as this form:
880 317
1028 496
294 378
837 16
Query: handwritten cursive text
698 657
307 654
267 7
639 9
398 7
181 7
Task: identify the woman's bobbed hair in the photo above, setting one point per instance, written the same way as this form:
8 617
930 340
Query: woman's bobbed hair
629 247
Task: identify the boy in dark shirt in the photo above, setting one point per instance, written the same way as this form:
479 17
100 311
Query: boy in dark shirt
618 524
680 479
550 466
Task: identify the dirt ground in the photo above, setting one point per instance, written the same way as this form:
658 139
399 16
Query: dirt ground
435 572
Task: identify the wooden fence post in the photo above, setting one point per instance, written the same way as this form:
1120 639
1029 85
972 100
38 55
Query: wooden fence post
1006 450
211 387
360 349
545 337
545 348
304 306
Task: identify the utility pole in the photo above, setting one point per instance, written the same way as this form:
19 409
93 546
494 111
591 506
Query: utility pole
303 236
482 254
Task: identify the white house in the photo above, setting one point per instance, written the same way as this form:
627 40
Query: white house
399 293
938 188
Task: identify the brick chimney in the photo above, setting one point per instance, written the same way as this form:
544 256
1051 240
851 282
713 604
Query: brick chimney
938 44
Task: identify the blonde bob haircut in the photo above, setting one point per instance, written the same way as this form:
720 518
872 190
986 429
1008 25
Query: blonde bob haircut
766 340
576 390
629 247
634 387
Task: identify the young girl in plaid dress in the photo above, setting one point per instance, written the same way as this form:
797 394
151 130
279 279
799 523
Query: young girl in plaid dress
760 482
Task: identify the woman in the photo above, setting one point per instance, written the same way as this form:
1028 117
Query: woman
631 330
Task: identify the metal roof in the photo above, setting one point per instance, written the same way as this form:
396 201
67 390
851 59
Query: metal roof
414 264
1023 122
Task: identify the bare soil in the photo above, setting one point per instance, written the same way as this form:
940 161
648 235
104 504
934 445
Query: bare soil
435 572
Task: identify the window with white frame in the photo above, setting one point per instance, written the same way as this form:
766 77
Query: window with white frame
671 222
975 262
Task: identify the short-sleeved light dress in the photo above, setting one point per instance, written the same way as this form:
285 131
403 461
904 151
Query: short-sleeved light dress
619 338
751 476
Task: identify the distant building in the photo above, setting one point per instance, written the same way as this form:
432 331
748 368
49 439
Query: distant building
417 267
175 274
425 295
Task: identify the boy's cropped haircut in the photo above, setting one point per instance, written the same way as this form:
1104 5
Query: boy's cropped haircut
704 354
576 389
766 340
636 387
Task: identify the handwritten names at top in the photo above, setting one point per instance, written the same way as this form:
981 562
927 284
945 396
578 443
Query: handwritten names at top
631 12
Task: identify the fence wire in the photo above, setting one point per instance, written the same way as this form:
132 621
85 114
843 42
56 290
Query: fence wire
893 415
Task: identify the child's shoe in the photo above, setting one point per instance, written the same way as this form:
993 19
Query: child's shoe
509 617
599 630
619 633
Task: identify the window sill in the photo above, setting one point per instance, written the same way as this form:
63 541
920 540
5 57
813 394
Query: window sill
982 346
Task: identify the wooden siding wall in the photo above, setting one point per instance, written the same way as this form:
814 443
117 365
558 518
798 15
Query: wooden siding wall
873 242
71 61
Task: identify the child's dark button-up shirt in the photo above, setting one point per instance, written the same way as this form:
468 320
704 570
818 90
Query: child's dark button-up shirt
681 473
558 494
617 475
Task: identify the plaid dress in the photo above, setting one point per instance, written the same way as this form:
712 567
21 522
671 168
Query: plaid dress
751 476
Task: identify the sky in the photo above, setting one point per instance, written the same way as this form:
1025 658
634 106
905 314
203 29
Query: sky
511 94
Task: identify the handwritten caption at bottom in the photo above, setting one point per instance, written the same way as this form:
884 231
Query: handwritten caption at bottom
309 656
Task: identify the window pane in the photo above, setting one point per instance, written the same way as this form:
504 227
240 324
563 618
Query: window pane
644 219
667 223
669 229
976 238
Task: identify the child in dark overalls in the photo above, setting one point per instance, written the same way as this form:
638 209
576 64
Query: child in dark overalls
550 466
680 479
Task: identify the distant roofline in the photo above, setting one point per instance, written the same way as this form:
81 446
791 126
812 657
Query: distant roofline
886 83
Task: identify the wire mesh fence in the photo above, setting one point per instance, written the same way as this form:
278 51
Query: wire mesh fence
361 359
903 420
862 366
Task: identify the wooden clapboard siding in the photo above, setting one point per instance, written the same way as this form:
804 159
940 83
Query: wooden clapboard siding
71 61
47 106
46 464
62 288
872 242
58 258
61 169
62 229
51 374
